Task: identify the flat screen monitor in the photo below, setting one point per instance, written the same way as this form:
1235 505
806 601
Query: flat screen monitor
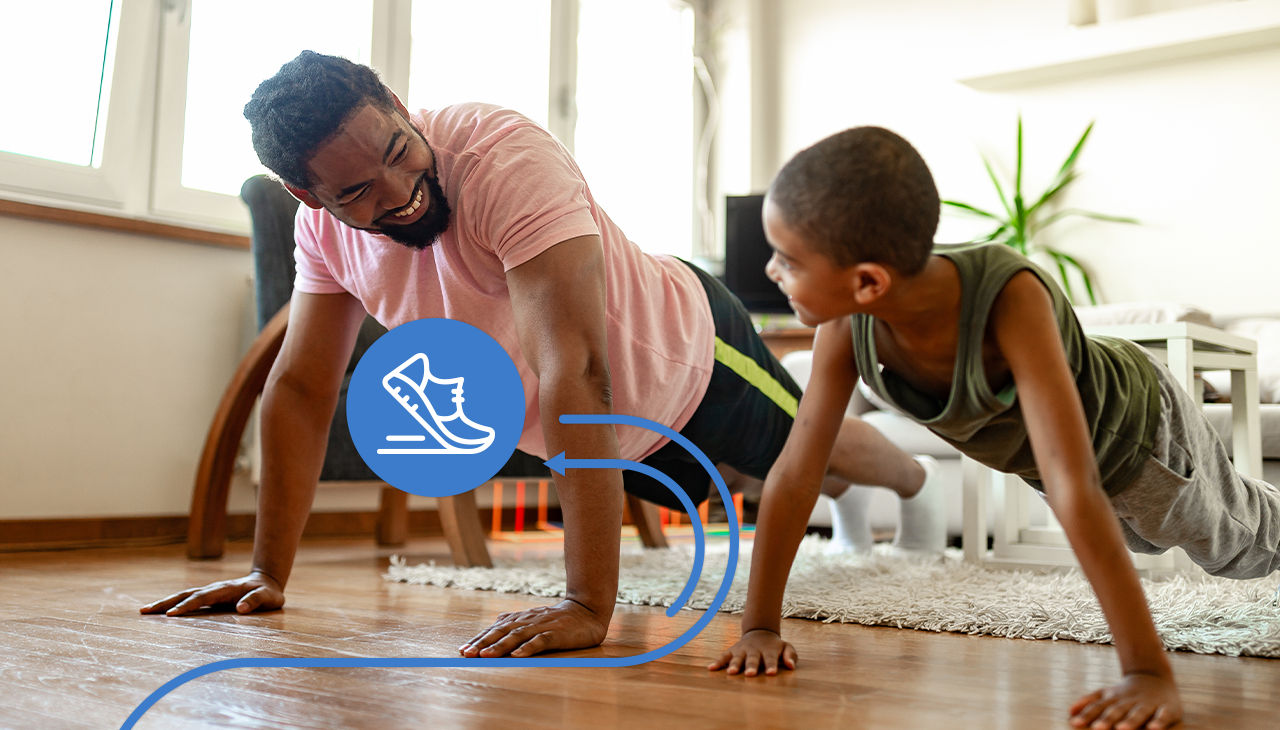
746 251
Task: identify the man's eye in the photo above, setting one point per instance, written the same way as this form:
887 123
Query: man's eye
401 154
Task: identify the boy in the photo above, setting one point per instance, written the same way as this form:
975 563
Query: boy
981 347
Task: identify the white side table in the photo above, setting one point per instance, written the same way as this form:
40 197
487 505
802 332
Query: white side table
1185 348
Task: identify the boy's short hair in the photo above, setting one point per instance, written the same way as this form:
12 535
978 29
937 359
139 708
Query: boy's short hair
861 195
303 105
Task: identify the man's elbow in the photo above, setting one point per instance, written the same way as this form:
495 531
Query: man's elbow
589 377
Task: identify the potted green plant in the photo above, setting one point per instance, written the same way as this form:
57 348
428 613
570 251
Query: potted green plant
1020 222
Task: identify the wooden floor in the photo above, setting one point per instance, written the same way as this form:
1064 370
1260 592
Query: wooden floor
74 652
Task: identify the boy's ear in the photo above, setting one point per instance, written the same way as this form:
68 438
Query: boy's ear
305 197
870 282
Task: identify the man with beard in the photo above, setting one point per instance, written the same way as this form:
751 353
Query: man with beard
474 213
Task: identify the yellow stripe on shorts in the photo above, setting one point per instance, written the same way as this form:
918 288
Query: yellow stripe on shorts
750 371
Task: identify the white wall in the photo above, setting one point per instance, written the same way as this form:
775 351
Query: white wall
1188 146
116 350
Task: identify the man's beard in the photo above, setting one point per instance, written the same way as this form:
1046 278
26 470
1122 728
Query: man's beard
427 229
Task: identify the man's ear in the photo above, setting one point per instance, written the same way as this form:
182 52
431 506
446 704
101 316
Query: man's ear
870 282
306 198
399 104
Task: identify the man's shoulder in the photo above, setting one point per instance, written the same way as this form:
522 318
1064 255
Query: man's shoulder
470 123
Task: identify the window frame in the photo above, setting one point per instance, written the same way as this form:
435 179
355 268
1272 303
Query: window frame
118 185
140 172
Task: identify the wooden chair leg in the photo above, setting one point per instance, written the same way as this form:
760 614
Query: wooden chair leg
393 517
645 516
460 519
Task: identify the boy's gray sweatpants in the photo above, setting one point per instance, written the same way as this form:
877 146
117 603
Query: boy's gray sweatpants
1189 495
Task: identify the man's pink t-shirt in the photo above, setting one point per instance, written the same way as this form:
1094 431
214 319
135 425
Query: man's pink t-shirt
515 192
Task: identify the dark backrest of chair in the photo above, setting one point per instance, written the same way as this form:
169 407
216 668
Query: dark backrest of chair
272 209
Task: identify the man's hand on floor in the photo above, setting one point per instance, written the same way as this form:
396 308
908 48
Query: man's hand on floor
566 625
254 592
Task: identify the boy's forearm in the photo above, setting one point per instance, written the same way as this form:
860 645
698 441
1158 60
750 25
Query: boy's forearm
1094 533
784 512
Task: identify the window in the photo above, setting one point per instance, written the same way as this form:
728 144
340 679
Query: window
459 54
203 149
149 123
634 133
74 78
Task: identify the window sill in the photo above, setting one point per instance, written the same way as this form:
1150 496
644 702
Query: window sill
104 221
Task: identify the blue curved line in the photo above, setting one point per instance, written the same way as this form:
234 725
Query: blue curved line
731 566
696 571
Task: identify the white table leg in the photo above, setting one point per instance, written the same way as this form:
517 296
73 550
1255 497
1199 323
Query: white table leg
1180 351
1246 429
973 478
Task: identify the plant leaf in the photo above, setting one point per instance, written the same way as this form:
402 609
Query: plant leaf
970 209
1017 175
1086 214
999 188
994 234
1053 190
1062 258
1069 164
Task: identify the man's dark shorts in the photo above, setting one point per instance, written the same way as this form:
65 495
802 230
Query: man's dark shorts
744 418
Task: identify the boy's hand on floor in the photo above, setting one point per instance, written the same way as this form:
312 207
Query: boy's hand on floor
566 625
1139 701
757 648
254 592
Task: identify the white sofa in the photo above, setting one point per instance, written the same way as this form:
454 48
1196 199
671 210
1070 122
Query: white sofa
916 439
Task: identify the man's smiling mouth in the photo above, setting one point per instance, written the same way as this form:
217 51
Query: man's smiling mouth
398 216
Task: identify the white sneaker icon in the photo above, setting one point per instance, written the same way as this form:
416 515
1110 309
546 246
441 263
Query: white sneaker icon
454 432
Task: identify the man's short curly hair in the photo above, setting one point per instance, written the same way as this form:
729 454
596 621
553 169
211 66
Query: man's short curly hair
861 195
303 105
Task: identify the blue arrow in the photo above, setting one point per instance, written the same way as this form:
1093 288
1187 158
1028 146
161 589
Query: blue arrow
559 463
626 661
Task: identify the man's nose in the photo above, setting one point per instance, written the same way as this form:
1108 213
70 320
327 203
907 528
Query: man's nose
401 190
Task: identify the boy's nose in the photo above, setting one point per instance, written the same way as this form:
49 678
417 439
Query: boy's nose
771 268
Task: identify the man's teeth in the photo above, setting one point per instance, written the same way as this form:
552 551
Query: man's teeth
411 208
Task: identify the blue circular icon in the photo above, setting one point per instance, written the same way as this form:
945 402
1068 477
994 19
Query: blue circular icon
435 407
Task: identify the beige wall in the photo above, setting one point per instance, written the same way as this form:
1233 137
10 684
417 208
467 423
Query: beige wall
1186 145
116 348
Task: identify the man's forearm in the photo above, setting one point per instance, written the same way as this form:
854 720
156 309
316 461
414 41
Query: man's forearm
294 435
590 499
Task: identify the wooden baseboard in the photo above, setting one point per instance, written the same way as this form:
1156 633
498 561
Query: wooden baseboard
96 532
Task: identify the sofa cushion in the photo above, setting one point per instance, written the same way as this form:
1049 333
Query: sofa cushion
1219 414
1266 332
909 436
1141 313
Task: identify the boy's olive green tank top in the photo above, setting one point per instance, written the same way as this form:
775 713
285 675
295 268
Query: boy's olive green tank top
1115 378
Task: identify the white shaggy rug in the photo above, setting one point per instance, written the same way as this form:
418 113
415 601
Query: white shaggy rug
1196 613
